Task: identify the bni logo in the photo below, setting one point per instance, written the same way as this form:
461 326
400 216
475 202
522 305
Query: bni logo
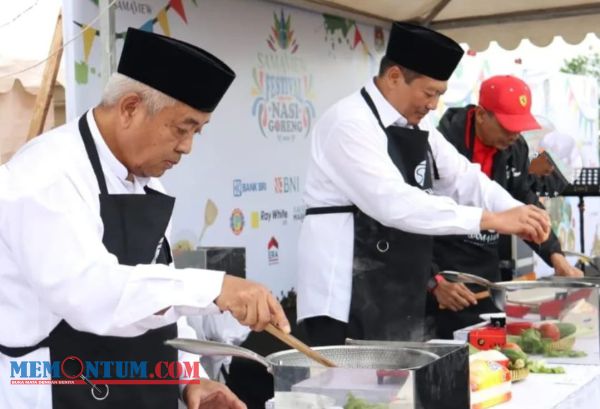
273 251
286 184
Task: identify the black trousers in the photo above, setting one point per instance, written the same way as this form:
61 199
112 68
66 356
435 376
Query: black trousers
324 330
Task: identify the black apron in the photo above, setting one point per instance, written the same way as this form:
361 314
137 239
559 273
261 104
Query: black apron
134 227
391 267
475 254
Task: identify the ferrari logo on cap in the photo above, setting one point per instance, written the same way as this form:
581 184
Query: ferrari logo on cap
523 100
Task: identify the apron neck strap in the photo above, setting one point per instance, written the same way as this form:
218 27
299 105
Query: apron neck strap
371 105
92 152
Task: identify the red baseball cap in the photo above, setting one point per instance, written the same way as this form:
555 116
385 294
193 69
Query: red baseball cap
509 98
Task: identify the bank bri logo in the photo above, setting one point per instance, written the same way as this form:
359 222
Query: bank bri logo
240 187
99 374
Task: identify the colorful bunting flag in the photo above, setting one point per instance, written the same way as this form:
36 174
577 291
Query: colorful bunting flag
357 37
164 22
89 34
148 26
178 7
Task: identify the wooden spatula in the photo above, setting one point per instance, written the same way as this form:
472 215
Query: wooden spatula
295 343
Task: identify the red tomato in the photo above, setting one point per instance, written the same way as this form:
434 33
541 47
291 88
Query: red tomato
512 345
549 330
516 328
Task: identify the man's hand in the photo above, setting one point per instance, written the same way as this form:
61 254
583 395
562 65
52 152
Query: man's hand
562 266
210 395
251 304
454 296
528 222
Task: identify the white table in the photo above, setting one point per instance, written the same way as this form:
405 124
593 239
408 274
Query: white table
578 388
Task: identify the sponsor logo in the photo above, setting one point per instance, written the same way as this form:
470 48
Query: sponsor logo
236 221
298 213
100 374
283 86
255 220
273 251
134 7
420 173
484 238
512 172
523 100
282 36
240 187
286 184
274 215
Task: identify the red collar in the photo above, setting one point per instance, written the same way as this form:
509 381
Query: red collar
482 154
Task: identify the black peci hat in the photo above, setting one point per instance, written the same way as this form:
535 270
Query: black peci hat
423 50
180 70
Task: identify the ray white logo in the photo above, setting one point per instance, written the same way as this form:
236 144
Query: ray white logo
274 215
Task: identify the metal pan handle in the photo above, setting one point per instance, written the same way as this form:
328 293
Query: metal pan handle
210 348
468 279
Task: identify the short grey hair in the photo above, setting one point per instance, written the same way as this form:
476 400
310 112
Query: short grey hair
119 85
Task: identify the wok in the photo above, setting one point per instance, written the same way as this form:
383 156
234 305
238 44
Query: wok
498 291
372 357
379 370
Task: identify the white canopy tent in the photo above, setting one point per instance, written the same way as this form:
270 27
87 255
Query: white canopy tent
474 22
477 22
17 99
26 30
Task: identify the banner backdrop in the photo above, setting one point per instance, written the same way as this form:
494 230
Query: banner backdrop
248 164
241 185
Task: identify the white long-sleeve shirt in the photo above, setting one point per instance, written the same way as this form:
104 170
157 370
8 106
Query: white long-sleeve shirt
53 264
349 164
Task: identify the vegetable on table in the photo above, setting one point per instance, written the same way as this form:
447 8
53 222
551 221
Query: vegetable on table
356 403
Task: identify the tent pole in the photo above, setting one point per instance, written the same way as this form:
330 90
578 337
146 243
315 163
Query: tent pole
107 38
44 96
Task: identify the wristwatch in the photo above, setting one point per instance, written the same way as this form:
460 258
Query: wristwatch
434 281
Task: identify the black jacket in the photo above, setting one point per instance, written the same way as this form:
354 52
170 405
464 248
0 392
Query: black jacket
478 254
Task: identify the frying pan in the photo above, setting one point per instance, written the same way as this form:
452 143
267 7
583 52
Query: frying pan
498 291
357 367
585 260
